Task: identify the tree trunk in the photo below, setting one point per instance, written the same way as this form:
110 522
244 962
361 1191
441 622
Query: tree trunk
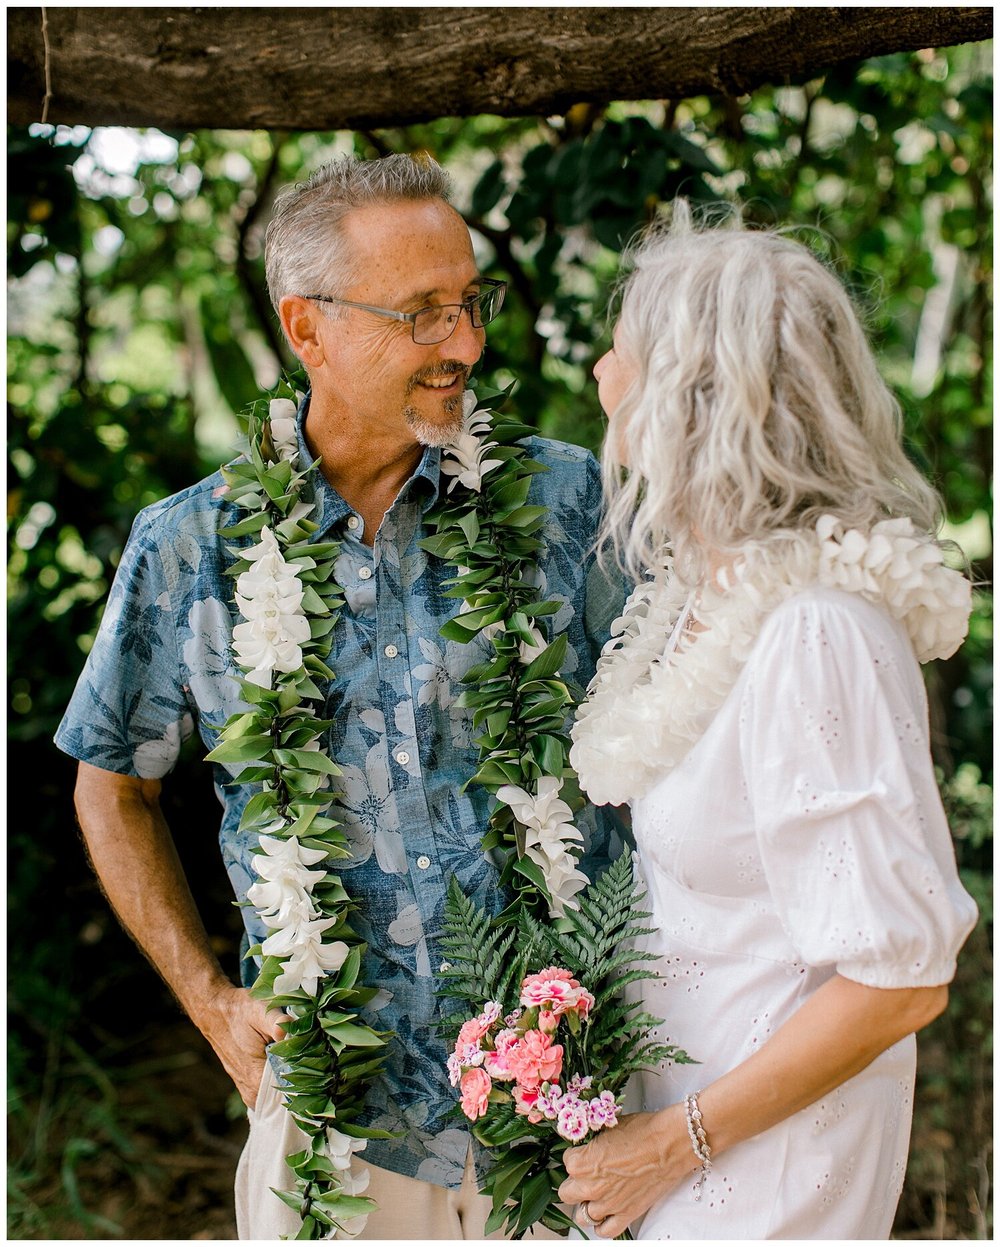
356 68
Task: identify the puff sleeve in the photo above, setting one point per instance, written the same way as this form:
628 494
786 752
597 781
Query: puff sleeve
852 835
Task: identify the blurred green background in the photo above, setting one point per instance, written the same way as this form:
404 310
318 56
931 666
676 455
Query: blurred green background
138 325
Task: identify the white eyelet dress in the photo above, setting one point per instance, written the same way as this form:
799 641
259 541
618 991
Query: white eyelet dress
801 836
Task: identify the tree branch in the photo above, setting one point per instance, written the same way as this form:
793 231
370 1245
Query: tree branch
364 68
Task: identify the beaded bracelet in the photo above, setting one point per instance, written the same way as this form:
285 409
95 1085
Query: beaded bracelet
699 1139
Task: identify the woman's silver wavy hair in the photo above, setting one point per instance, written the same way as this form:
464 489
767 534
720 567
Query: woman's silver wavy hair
304 250
756 405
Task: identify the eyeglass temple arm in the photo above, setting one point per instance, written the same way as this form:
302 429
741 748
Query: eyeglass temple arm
365 307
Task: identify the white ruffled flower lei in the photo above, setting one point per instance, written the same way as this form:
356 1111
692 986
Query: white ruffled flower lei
649 701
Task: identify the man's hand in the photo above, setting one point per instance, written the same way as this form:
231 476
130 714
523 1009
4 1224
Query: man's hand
134 856
239 1027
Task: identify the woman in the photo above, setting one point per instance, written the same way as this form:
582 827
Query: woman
763 713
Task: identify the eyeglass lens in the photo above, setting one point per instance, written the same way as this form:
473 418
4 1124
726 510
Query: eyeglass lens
434 324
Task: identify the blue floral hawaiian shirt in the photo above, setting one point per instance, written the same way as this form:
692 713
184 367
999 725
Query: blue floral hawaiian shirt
161 667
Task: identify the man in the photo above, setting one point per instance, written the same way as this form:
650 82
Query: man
361 259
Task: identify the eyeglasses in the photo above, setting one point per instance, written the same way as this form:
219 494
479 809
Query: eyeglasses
431 325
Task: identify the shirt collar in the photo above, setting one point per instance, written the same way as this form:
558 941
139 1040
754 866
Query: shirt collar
423 486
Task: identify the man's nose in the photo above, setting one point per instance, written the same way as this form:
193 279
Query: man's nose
466 342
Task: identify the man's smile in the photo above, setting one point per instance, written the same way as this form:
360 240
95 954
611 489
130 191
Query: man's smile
441 383
447 379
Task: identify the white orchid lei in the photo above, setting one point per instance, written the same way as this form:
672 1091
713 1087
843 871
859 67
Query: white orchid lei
289 602
311 959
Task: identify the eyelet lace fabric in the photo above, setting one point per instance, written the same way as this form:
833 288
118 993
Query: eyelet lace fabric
655 692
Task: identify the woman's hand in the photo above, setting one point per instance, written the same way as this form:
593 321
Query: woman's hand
839 1030
624 1171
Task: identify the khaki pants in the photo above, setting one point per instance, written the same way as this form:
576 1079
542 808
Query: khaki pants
407 1208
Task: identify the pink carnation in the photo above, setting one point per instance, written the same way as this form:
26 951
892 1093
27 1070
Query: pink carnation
548 1021
525 1103
490 1013
556 990
496 1063
535 1059
469 1053
472 1031
476 1087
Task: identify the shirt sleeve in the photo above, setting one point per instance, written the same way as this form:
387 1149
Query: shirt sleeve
853 837
129 712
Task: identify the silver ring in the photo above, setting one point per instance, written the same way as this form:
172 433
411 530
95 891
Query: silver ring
585 1216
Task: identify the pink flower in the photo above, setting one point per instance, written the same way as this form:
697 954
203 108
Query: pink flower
496 1063
557 990
490 1013
535 1059
535 987
525 1102
603 1111
469 1054
454 1069
573 1120
476 1087
549 1099
471 1033
548 1021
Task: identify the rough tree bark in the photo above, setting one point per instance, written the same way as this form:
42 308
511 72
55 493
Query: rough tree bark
333 68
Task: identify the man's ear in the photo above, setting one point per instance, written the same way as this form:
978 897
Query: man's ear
300 320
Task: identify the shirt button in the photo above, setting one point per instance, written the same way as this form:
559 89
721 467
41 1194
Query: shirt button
445 966
353 522
402 757
365 573
423 862
390 651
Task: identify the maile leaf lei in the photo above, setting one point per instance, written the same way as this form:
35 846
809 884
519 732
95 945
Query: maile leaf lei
290 601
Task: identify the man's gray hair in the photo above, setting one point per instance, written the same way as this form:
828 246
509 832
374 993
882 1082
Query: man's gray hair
304 249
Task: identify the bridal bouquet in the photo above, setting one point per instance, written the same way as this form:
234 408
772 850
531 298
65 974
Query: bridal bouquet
548 1040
